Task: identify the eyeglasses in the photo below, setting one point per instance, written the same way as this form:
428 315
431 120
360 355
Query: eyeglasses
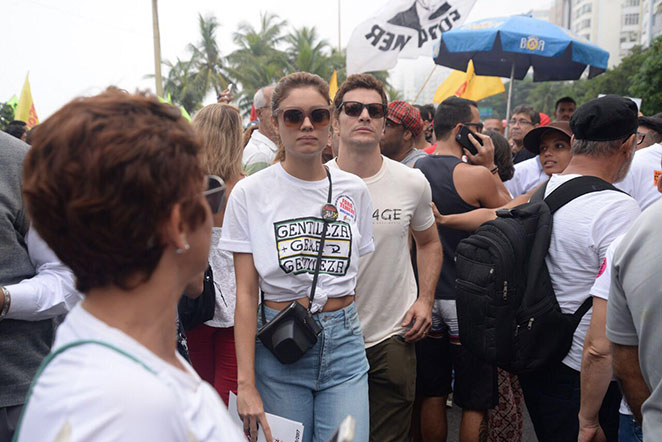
519 122
478 126
215 193
295 116
355 109
639 137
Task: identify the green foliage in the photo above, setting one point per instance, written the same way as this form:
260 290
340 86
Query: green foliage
638 75
647 82
263 55
6 115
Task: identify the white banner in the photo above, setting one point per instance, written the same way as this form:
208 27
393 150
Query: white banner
403 28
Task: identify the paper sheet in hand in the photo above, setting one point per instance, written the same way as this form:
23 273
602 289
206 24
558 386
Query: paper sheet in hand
282 430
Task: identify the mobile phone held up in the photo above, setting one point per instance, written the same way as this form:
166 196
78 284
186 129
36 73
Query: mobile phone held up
462 137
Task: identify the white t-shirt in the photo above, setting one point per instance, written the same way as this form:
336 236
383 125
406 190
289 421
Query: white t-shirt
225 283
259 153
582 231
91 392
528 174
386 288
639 182
277 218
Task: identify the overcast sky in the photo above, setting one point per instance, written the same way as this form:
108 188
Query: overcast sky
79 47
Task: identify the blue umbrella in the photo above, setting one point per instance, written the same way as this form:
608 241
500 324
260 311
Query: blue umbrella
509 46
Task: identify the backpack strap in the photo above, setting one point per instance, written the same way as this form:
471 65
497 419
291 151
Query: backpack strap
575 188
539 194
49 358
581 311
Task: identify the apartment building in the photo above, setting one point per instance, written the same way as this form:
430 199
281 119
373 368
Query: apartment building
614 25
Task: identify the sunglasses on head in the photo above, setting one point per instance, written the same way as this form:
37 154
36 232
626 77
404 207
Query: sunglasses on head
355 108
215 193
294 116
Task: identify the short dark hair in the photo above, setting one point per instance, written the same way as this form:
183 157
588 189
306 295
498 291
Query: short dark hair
503 155
359 81
527 110
426 111
16 128
655 126
101 179
450 112
564 100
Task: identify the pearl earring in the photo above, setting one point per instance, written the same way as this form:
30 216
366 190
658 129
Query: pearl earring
180 251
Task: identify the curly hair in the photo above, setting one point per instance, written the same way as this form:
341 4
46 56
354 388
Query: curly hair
101 179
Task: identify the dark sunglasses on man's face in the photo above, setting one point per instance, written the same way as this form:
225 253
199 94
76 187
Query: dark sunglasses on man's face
294 116
478 126
355 108
215 193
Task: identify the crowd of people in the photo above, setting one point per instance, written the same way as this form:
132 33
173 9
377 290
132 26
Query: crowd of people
150 268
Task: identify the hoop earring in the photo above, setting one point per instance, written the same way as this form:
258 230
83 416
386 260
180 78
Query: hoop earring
181 251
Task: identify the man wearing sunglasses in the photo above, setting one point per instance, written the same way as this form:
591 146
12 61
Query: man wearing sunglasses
457 187
261 148
392 319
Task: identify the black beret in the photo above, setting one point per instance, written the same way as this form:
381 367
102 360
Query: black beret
652 123
604 119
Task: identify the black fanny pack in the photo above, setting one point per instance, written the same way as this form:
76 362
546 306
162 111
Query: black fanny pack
294 331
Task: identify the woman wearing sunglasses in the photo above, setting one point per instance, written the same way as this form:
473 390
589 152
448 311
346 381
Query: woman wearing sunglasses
114 186
293 227
211 345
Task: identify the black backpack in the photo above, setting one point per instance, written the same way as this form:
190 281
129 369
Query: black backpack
507 312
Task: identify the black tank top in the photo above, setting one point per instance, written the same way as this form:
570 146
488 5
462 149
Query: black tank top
438 169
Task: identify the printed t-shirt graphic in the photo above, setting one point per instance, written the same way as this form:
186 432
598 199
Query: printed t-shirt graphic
298 240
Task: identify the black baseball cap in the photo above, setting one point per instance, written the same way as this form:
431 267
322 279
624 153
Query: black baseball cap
604 119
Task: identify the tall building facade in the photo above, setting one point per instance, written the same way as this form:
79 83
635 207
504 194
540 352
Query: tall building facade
614 25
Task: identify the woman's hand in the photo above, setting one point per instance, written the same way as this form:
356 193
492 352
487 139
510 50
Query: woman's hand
438 217
251 412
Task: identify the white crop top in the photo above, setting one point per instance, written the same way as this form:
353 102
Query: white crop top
277 218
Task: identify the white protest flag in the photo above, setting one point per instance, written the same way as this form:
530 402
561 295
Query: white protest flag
405 29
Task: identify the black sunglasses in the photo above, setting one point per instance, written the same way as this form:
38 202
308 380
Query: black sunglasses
478 126
294 116
215 193
355 108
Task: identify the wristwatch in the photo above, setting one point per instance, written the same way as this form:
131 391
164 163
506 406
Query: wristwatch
7 303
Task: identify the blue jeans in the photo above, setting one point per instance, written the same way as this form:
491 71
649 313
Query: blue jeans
328 383
629 430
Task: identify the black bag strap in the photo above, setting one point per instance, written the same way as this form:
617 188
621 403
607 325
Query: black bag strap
567 192
581 311
574 188
318 263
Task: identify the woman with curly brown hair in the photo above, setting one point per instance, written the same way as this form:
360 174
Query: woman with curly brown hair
114 185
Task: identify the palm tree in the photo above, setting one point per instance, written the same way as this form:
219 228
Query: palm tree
182 85
257 62
207 62
308 53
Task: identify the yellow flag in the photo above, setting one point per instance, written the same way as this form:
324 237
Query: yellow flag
25 110
468 85
333 85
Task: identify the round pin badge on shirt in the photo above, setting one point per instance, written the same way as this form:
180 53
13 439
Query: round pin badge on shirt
329 213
